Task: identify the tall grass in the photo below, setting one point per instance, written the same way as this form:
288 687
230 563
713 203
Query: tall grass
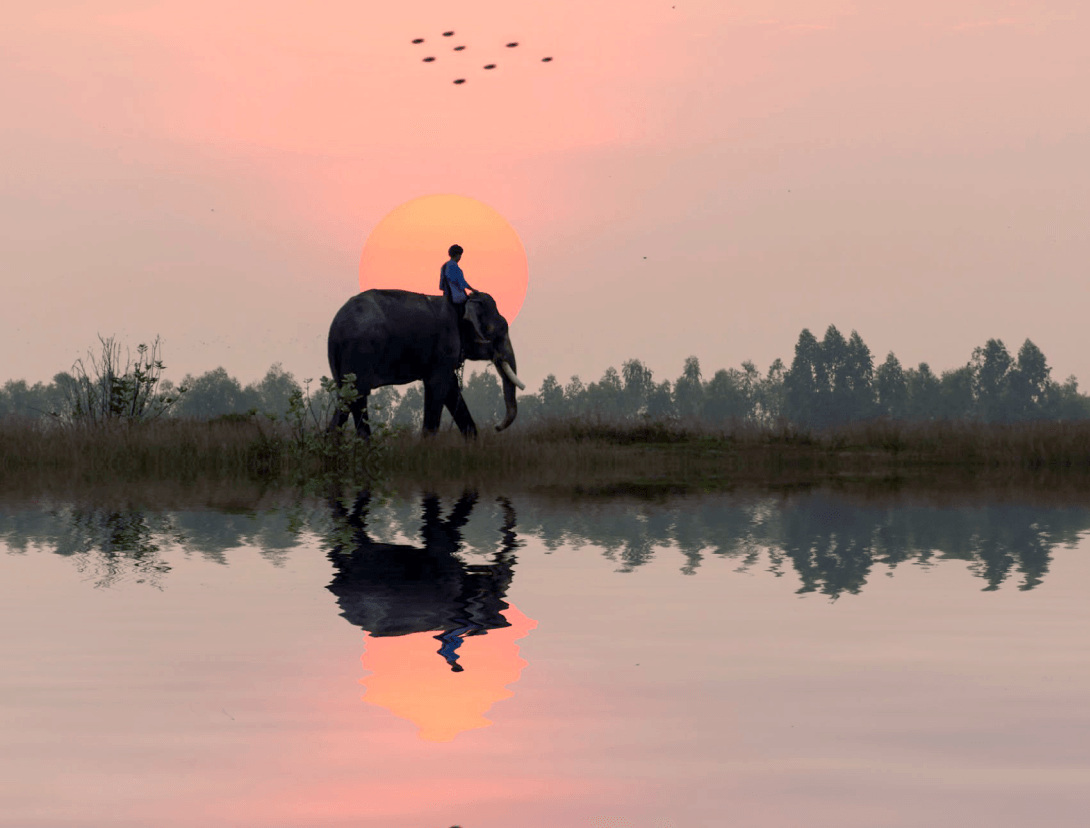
177 448
558 452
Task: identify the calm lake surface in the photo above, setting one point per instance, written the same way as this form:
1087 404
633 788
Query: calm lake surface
806 659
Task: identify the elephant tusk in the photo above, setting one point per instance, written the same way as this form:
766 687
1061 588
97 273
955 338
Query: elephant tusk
506 367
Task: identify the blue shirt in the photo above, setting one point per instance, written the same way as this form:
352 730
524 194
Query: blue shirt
456 282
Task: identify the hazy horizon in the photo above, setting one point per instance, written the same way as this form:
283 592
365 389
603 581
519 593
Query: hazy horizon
210 175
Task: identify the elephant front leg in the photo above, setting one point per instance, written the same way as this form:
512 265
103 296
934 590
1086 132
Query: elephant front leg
458 409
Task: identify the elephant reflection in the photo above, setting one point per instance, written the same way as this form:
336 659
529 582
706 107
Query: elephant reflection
397 589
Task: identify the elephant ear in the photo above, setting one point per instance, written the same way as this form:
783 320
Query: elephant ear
475 319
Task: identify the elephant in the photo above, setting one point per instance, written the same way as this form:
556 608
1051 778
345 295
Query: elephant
394 337
397 589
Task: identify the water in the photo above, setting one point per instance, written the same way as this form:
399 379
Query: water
810 660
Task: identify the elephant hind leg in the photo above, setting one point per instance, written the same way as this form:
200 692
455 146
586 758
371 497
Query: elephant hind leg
339 419
359 414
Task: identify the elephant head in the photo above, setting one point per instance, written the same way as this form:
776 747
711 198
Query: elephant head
485 336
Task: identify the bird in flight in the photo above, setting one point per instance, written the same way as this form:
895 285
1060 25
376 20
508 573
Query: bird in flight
431 58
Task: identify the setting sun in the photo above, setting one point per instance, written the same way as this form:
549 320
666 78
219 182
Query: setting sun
406 249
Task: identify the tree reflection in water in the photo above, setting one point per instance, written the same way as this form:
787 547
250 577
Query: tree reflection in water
107 545
832 541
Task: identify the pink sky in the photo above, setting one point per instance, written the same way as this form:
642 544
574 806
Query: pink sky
210 173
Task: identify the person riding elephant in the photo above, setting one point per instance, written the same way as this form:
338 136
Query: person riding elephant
394 337
452 282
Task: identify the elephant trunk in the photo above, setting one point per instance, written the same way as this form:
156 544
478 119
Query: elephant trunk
505 364
509 401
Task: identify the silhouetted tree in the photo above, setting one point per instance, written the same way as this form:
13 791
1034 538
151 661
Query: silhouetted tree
484 397
660 402
605 397
383 403
19 399
725 396
637 387
689 389
923 392
575 397
529 407
750 379
1068 403
802 382
955 397
771 393
410 408
65 387
166 387
212 394
991 367
834 395
858 392
552 397
1029 384
891 387
274 391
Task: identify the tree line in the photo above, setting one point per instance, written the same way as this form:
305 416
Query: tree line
830 382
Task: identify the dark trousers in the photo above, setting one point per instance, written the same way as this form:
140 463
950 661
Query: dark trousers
460 309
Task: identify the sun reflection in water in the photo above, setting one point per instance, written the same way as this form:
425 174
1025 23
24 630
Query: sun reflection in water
412 679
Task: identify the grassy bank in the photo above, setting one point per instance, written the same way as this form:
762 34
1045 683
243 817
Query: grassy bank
566 453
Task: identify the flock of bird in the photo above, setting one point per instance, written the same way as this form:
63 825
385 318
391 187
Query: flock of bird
431 58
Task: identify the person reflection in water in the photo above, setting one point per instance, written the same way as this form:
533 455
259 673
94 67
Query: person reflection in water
452 639
484 587
408 597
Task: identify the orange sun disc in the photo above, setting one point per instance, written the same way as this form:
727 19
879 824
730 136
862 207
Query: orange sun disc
408 247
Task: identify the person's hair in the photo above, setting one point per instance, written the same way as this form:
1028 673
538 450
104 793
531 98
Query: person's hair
455 249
